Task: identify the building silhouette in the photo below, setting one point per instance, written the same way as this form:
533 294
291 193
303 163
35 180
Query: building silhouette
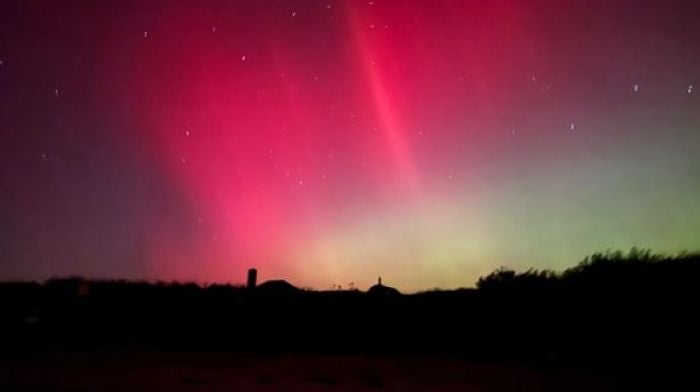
277 287
380 289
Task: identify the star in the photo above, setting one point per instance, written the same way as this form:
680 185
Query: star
635 88
690 89
243 58
145 34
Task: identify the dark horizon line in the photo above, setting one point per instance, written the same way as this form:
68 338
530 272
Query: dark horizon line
634 254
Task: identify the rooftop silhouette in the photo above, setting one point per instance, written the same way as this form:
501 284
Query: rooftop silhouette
380 289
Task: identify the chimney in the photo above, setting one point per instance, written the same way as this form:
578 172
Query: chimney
252 277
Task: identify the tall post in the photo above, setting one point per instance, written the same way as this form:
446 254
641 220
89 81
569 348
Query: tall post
252 278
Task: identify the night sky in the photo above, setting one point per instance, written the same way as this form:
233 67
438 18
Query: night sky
328 142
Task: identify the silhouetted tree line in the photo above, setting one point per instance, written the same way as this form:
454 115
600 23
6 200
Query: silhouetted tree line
611 309
639 267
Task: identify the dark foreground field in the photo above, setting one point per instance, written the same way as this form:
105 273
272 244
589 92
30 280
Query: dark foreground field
611 323
168 371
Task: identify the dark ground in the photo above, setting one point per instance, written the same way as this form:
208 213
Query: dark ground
612 323
137 371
